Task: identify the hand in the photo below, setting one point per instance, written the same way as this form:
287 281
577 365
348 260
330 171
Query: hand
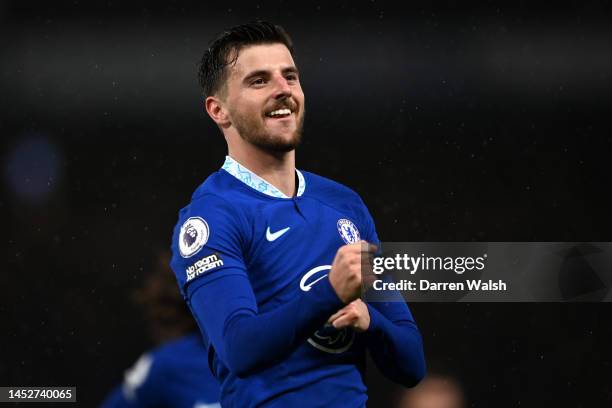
346 273
354 315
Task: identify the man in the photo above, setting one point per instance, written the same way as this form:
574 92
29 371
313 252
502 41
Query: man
269 258
174 374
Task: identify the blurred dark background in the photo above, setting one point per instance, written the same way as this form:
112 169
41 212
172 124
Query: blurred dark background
487 122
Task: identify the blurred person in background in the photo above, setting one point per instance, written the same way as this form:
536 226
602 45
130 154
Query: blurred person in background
176 373
269 258
435 391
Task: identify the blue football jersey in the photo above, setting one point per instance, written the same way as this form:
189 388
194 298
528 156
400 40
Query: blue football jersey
242 249
175 374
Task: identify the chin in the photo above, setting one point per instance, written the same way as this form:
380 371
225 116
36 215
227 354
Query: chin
281 143
284 145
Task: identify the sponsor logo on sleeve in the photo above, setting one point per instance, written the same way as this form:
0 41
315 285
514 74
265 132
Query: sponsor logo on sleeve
348 231
193 236
203 265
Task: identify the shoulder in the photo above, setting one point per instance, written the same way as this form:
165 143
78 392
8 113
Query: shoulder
222 194
216 200
334 194
183 360
342 198
325 187
146 381
191 343
211 232
218 183
218 190
177 355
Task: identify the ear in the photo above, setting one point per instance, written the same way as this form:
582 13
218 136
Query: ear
216 110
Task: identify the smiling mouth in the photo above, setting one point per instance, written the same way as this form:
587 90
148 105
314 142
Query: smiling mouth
279 113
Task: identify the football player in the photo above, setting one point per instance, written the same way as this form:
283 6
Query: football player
269 258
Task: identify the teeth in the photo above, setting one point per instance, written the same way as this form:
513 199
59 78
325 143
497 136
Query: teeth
280 112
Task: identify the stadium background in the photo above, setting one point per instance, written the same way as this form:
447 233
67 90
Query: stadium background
485 123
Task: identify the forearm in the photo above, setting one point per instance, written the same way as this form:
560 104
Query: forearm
246 340
395 344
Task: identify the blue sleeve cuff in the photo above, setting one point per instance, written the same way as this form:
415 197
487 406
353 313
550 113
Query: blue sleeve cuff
377 320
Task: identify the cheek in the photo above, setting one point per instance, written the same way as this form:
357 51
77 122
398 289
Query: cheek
252 107
299 95
245 109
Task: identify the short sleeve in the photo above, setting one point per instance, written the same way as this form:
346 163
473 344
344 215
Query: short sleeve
207 243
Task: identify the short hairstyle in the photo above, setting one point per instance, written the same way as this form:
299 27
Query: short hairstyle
224 50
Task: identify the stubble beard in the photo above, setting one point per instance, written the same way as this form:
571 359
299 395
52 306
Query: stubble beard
252 130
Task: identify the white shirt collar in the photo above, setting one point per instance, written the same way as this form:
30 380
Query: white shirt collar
254 181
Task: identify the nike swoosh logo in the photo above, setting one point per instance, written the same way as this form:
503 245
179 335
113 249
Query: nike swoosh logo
274 236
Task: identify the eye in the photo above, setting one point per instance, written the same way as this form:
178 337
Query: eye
291 77
258 81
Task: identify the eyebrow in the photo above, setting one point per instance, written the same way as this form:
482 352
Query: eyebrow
263 72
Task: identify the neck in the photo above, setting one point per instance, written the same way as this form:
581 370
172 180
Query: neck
277 169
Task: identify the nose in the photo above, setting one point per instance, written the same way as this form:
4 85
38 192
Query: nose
282 90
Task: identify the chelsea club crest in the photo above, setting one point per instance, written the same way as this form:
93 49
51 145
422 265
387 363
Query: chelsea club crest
193 236
348 231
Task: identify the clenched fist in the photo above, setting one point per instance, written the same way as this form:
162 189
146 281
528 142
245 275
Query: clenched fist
351 269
